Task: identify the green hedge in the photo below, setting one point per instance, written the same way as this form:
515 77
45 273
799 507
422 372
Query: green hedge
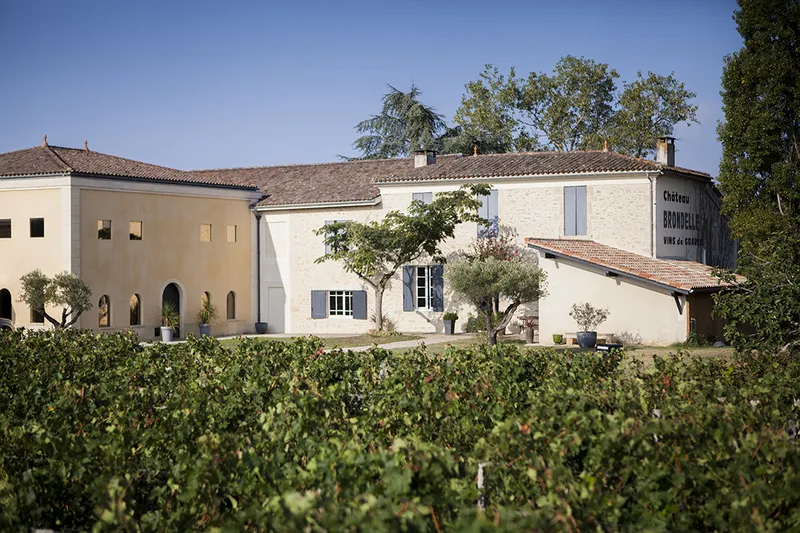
100 433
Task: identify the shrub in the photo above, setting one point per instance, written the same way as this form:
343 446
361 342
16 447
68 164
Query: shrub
450 316
587 316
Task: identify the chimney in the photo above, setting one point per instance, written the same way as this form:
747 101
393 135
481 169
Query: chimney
665 151
423 158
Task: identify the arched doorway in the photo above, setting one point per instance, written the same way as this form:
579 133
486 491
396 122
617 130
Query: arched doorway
5 304
172 294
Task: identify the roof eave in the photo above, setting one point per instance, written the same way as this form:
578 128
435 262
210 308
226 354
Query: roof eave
513 177
165 181
320 205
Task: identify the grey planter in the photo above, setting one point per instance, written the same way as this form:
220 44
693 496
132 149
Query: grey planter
261 328
586 339
166 334
449 327
205 329
529 335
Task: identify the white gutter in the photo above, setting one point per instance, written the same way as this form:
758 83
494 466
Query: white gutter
653 199
325 205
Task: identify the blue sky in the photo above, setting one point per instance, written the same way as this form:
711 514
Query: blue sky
196 85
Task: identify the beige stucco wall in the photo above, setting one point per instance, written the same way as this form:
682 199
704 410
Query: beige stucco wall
618 214
635 308
170 251
21 253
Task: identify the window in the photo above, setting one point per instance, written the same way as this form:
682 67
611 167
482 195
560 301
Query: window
424 197
205 232
104 230
136 310
37 227
231 306
340 303
37 317
489 211
5 228
328 223
104 312
423 288
135 230
575 210
231 233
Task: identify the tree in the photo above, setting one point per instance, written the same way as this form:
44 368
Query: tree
576 107
64 289
405 124
496 271
760 174
649 108
374 251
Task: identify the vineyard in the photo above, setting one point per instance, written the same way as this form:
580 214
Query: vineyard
100 433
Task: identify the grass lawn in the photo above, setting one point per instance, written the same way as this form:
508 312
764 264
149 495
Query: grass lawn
338 342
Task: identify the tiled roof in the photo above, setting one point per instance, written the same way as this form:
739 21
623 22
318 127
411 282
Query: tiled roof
47 159
319 183
532 164
682 275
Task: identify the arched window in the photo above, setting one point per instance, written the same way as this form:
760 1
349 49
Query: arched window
136 310
231 306
5 304
104 312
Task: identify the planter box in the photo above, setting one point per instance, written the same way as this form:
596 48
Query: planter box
166 334
205 329
450 327
261 328
586 339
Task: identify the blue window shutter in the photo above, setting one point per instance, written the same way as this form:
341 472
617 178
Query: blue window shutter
319 307
360 305
327 246
408 288
492 210
427 197
483 212
437 287
570 216
580 209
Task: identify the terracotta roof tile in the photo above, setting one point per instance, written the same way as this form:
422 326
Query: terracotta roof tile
532 164
56 159
318 183
684 275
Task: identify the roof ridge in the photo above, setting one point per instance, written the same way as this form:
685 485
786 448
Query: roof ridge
314 164
49 150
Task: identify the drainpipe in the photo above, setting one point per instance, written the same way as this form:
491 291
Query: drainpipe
258 268
653 199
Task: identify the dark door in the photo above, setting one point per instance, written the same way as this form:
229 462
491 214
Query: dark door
173 295
5 304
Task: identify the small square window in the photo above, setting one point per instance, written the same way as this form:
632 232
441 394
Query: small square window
5 228
135 230
340 303
37 317
232 233
104 230
37 227
205 232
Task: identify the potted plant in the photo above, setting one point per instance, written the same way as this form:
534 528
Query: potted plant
558 338
450 322
206 316
169 320
530 323
588 318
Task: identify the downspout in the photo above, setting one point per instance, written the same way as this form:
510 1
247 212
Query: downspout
653 199
258 267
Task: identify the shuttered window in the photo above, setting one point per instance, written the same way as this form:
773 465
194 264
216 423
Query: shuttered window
489 211
328 223
424 197
339 303
575 210
423 288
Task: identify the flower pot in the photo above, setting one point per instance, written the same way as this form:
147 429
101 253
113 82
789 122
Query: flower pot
261 328
587 339
529 334
450 327
558 338
166 334
205 329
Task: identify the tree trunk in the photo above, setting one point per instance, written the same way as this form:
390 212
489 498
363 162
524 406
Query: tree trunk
491 334
379 308
492 337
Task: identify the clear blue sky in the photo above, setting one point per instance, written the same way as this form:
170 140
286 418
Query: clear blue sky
190 85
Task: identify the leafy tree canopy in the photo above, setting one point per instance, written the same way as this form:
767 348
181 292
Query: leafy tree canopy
760 173
375 250
404 124
64 289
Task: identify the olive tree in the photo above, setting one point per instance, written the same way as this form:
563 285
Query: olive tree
64 289
495 272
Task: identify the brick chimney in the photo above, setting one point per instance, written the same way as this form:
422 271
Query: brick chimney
423 158
665 151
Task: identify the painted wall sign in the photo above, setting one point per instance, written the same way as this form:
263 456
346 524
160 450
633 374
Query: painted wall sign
679 224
